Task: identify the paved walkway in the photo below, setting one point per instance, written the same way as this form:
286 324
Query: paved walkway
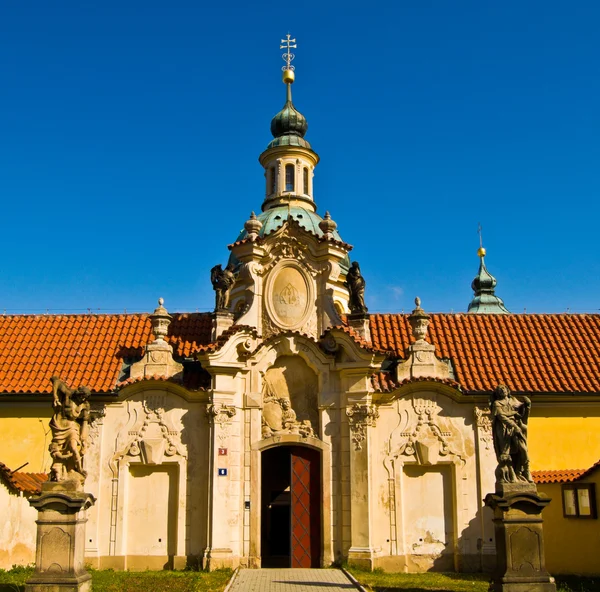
291 580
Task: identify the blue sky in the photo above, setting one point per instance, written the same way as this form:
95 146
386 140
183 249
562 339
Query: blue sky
130 132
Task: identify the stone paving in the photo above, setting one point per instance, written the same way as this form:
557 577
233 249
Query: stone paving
291 580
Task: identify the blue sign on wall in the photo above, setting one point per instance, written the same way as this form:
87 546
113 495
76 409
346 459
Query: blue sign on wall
222 472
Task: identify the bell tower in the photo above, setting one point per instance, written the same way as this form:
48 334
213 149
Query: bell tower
289 160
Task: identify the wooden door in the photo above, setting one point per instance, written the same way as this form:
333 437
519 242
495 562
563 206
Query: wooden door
305 507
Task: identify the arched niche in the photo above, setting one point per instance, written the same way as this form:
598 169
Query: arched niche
291 378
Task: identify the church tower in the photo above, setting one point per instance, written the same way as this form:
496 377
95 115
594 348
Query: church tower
290 263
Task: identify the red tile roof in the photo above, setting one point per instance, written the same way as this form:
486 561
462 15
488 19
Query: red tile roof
530 353
385 382
563 475
84 349
28 483
553 353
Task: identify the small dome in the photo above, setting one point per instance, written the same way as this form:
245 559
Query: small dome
484 288
275 217
289 126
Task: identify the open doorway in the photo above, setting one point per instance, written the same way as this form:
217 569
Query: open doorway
291 507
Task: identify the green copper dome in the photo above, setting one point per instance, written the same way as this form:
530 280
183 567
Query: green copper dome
485 299
289 126
275 217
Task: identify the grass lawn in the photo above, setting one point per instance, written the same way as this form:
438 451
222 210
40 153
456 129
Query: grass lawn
126 581
380 581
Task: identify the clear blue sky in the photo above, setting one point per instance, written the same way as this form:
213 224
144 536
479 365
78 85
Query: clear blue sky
130 132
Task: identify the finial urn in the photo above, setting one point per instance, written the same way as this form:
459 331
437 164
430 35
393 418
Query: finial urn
328 226
161 320
419 321
253 226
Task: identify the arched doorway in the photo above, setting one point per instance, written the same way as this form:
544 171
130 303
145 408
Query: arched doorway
291 507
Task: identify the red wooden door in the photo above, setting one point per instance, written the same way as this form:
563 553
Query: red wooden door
305 507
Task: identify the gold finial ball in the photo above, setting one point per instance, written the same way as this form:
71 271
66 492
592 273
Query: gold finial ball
288 76
481 252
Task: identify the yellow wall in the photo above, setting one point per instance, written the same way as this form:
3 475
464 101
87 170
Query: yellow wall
25 435
564 437
572 544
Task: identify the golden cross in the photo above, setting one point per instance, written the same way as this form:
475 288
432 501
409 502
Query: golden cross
288 56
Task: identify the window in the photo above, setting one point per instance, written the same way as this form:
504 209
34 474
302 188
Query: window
579 500
289 177
271 181
305 180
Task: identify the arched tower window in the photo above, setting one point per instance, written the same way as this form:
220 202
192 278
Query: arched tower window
289 177
271 181
305 180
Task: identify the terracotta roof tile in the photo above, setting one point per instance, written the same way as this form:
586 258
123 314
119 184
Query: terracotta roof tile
29 483
84 349
557 353
563 475
530 353
384 382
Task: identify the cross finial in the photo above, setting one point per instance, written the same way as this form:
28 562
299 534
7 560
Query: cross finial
288 56
481 250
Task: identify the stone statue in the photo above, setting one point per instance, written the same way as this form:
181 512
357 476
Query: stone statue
509 429
279 418
222 281
355 283
70 428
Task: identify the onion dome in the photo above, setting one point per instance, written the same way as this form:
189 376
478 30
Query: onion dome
484 286
289 125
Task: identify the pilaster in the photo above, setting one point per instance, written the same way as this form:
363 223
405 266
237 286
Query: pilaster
360 418
221 504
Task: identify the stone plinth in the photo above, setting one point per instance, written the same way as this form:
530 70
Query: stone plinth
59 561
360 323
221 321
521 565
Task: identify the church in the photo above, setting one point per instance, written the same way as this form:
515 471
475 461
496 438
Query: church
290 427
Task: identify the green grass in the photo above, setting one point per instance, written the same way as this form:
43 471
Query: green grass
107 580
380 581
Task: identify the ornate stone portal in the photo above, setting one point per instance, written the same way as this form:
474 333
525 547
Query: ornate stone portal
62 505
516 504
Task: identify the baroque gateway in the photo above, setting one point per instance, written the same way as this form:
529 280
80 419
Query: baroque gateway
289 427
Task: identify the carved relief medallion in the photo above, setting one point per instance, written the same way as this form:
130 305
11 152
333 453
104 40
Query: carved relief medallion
288 296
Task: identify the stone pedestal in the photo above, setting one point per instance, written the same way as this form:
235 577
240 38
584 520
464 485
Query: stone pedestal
221 321
521 565
59 560
360 323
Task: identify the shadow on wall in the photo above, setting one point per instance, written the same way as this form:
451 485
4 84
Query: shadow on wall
476 550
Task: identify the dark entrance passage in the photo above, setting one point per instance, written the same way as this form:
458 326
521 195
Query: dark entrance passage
291 507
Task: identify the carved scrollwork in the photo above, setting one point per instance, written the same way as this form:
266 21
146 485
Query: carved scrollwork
153 438
420 435
360 417
97 414
484 426
220 415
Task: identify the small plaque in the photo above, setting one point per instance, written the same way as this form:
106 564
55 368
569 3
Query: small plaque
222 472
222 451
